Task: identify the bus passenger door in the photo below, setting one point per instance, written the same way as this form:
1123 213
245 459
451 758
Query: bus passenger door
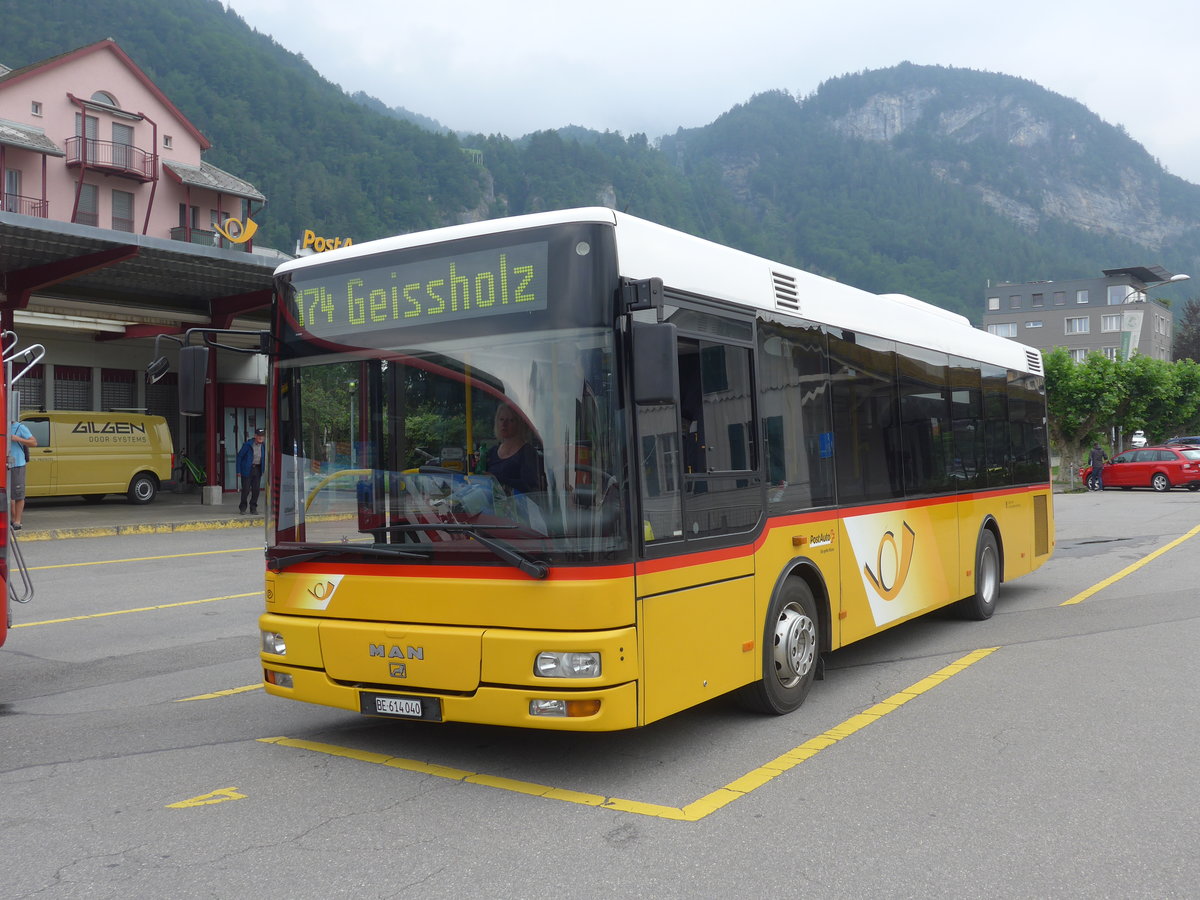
701 500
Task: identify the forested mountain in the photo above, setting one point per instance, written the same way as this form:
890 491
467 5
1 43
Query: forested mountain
921 180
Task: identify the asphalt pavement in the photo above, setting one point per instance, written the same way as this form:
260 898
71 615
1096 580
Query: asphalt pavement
49 518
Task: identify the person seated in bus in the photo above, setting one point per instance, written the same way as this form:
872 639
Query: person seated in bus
513 461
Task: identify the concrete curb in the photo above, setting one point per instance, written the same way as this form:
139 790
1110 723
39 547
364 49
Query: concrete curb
51 534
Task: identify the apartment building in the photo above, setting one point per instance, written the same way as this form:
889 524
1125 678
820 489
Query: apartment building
114 232
1114 315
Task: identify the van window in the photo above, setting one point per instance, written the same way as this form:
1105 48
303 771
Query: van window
40 429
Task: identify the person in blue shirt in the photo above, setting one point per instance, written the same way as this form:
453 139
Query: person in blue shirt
20 439
250 461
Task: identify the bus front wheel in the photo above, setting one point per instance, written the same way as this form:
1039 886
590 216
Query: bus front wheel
790 652
982 604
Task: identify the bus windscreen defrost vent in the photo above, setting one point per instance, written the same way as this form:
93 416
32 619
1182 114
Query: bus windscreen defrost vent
786 295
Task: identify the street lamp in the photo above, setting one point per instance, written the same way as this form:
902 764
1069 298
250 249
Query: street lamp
1174 279
1131 320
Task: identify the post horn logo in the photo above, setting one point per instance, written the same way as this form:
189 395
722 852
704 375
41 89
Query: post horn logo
235 232
322 590
903 557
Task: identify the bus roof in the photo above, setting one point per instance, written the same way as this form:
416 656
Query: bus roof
698 266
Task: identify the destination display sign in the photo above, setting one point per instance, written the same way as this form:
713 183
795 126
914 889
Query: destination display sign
461 286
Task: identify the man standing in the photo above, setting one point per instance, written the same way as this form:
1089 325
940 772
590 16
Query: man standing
20 439
1097 460
249 469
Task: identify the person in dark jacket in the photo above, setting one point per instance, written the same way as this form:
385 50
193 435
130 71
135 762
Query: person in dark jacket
1098 459
513 461
250 461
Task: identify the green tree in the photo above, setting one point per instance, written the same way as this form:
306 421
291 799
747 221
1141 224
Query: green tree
1081 400
1187 331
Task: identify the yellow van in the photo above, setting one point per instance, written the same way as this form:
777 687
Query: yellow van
97 453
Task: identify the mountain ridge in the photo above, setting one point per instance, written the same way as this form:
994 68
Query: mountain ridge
922 180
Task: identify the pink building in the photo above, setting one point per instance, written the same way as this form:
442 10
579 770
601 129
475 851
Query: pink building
86 137
115 231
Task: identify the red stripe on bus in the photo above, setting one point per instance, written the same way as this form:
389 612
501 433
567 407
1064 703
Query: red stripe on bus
665 564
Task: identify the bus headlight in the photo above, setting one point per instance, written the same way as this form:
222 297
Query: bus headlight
273 642
564 708
571 664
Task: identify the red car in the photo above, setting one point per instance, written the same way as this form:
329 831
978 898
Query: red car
1161 468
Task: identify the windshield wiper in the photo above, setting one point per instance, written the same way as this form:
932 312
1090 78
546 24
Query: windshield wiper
510 554
317 551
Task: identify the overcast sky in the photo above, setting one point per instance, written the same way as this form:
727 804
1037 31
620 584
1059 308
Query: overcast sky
515 66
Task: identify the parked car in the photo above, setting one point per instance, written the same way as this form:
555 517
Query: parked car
1193 441
1160 468
1138 440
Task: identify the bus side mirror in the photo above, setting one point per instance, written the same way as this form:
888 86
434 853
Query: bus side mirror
655 370
193 374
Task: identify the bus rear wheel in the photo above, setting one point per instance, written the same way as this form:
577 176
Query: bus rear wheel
982 604
790 652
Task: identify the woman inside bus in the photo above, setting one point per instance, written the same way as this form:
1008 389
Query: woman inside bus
513 461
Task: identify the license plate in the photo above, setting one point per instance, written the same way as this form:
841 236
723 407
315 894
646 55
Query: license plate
399 706
428 708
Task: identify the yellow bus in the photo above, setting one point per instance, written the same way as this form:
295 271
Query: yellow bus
575 470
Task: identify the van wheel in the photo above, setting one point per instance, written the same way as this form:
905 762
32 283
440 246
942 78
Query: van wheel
93 498
143 488
790 652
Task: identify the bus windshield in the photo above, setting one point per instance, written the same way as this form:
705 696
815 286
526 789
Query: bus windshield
478 441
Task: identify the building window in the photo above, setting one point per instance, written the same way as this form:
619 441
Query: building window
993 303
1118 293
1110 323
1039 299
72 387
1060 297
1078 355
167 141
1079 325
32 388
122 211
1003 329
35 108
1035 324
1110 353
1014 301
118 389
10 201
89 205
1080 297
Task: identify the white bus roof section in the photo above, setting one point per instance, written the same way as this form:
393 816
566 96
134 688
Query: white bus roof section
698 266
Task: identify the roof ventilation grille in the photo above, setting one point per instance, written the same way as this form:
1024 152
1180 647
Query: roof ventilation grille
786 295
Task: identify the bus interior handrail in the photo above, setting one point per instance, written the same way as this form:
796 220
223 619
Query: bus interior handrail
26 592
36 350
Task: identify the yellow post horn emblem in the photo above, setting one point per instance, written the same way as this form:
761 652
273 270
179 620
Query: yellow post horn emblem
904 558
235 232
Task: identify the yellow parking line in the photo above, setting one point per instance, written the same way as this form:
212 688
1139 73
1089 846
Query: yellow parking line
226 693
692 812
1130 569
133 559
121 612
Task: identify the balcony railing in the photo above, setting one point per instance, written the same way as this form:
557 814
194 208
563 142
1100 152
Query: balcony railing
25 206
118 159
206 238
